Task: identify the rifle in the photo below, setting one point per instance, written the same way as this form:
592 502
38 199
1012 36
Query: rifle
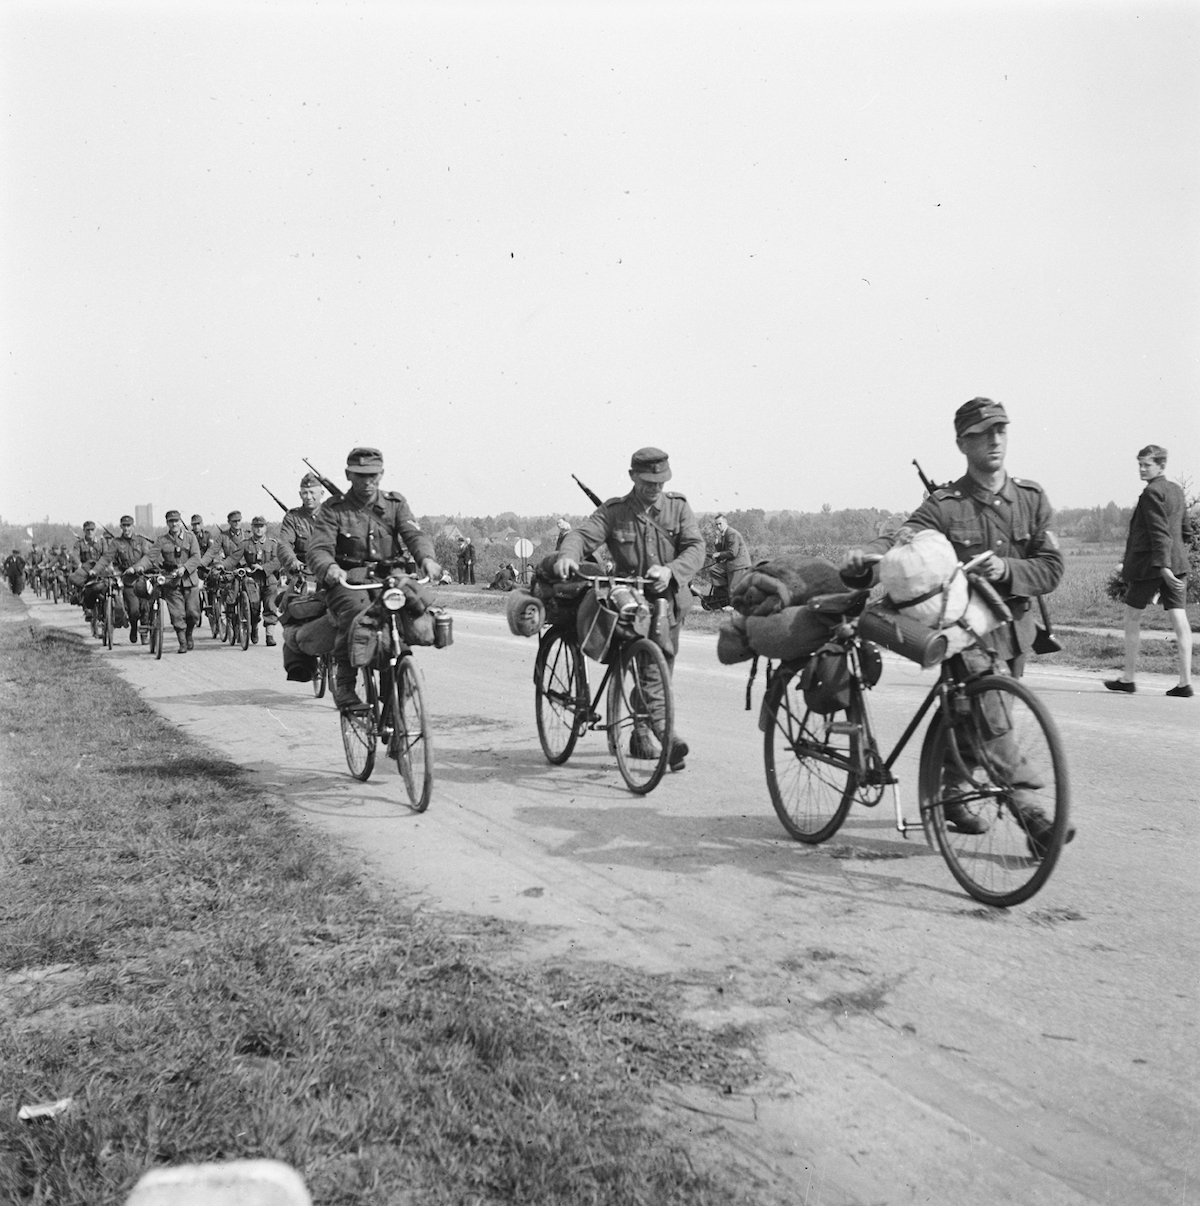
596 500
282 505
334 490
929 486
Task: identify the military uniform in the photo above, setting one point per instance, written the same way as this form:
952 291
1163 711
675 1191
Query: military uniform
294 534
1014 523
260 554
121 554
168 555
87 551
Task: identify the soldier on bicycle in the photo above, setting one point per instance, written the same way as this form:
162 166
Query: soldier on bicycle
1008 518
296 527
650 534
121 554
176 554
259 554
349 535
87 551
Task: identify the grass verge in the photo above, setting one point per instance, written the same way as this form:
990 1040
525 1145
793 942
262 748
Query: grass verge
208 981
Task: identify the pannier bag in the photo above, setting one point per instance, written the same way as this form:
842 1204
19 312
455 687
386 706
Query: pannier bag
599 620
299 609
825 681
560 599
367 642
316 637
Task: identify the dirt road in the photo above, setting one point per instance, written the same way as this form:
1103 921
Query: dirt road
922 1048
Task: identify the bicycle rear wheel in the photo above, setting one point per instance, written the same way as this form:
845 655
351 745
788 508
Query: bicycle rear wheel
212 611
641 715
243 619
410 743
359 730
1015 795
808 765
560 695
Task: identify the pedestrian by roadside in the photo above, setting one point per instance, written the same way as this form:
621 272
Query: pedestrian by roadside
1155 567
466 561
730 553
563 528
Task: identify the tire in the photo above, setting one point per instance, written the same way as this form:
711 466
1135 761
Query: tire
243 619
561 700
1005 723
213 611
358 732
410 743
320 679
629 714
156 630
810 775
110 621
97 622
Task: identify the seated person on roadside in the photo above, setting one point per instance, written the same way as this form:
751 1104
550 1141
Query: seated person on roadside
1155 566
731 554
988 511
297 524
650 534
505 579
349 535
259 553
120 555
176 555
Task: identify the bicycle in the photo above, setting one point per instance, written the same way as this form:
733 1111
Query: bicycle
636 675
210 604
104 611
238 608
394 712
993 789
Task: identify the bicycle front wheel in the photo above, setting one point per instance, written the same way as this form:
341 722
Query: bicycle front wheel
641 715
243 619
110 621
410 744
993 785
156 632
809 764
560 695
213 612
359 729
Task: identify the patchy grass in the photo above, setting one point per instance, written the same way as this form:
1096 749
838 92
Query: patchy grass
208 981
1107 653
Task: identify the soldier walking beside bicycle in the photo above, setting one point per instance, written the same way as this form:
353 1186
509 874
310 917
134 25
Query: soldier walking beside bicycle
259 554
349 535
651 534
176 554
987 511
122 553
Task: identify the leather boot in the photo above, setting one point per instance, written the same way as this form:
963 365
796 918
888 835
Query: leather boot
191 642
183 641
253 634
133 632
270 636
344 694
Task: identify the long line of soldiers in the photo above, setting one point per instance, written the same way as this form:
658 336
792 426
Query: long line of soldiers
187 558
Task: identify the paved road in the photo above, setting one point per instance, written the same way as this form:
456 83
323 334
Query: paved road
921 1048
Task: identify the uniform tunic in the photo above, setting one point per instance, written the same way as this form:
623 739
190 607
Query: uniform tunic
88 552
166 555
1014 523
294 534
263 556
123 553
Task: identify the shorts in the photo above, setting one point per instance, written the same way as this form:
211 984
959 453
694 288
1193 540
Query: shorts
1141 594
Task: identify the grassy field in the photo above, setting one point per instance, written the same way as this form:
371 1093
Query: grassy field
207 980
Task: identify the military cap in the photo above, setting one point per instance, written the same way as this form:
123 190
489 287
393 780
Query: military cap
978 415
258 521
651 465
309 481
234 517
170 515
88 525
197 519
127 519
364 460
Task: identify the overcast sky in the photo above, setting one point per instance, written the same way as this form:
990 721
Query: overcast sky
509 242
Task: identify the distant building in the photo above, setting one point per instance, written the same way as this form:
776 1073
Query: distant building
144 516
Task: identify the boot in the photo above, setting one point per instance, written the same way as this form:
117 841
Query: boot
133 632
191 642
184 644
344 694
270 636
253 634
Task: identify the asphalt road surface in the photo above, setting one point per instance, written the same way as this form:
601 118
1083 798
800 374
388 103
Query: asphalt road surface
922 1048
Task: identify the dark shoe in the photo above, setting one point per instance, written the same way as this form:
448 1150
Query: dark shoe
643 745
270 640
962 820
133 634
1119 684
1184 692
1037 833
144 636
344 694
191 640
254 635
677 759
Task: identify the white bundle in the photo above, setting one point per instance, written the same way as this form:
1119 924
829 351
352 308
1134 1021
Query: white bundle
924 580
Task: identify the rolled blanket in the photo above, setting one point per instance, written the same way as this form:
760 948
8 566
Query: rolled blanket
784 582
732 643
525 614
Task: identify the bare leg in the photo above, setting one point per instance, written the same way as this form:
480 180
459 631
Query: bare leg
1133 642
1183 642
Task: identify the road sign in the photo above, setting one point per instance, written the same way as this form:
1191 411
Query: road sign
523 548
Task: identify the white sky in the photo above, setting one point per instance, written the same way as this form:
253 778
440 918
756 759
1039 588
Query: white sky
510 242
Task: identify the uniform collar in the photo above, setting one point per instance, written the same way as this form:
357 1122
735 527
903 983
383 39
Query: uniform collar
969 486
